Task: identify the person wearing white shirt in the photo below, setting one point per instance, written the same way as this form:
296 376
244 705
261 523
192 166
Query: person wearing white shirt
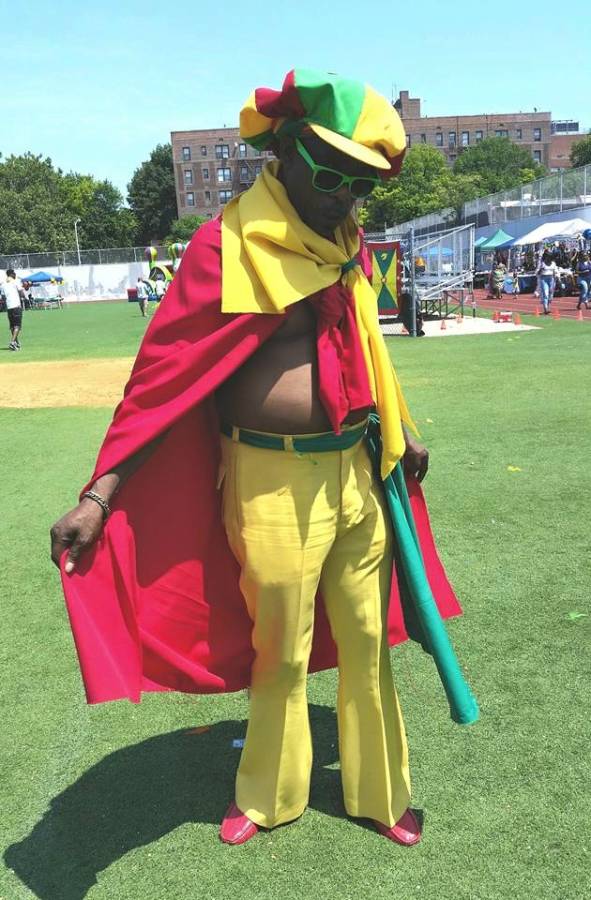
546 273
142 297
12 291
160 288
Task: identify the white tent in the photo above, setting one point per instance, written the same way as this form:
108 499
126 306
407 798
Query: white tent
553 231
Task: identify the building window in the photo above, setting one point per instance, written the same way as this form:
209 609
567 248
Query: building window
465 138
205 174
224 174
538 156
241 149
208 196
203 150
478 136
186 154
244 173
408 140
537 134
452 138
257 169
501 132
225 196
439 139
423 139
222 151
188 176
190 198
518 134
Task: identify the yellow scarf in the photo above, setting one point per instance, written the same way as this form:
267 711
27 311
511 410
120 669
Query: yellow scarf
271 259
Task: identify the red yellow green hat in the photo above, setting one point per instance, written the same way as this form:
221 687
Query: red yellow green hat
347 114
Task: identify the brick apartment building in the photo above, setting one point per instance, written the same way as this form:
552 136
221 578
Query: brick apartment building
454 134
565 133
211 166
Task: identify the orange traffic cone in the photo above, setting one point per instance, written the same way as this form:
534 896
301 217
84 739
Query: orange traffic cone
536 311
496 316
555 313
443 326
516 319
579 315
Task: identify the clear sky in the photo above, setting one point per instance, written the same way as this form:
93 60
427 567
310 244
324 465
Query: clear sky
96 86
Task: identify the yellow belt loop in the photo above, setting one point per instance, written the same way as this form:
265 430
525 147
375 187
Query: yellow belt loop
288 442
235 434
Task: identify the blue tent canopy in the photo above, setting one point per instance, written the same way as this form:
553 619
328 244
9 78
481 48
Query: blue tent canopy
434 251
42 278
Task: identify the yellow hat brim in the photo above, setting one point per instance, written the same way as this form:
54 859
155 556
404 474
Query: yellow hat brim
364 154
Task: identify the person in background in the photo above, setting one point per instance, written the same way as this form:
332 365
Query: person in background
142 297
584 280
546 272
499 271
13 293
160 288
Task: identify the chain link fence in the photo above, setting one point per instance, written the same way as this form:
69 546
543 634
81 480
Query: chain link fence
49 259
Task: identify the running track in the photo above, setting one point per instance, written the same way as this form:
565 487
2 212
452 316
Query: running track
527 304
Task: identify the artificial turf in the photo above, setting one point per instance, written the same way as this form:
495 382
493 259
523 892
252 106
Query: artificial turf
119 801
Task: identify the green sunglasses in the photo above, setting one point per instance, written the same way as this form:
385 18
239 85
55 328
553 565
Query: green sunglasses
330 180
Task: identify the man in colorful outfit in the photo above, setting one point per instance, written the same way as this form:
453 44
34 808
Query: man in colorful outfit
268 344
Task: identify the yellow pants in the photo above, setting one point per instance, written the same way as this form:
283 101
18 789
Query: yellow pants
296 522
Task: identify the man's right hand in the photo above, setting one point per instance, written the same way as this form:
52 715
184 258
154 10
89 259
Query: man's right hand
77 530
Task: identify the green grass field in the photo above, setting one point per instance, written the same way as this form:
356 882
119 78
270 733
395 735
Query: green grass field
118 801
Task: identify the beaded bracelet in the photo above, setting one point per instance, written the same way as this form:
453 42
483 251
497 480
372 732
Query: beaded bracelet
92 495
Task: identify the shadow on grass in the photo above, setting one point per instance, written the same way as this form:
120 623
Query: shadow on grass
137 795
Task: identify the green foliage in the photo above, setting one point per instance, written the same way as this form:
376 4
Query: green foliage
184 229
580 153
426 184
33 211
152 195
105 222
499 164
38 206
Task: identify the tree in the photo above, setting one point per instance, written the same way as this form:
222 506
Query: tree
39 204
33 212
425 184
184 229
105 222
152 195
499 164
580 152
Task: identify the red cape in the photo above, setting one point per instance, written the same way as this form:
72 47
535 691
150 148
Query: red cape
155 605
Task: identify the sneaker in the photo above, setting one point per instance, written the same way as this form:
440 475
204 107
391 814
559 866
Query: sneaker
18 343
12 346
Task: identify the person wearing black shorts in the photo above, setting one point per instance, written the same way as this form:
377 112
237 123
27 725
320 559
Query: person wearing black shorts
13 293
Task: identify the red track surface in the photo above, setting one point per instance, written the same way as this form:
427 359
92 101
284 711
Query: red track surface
527 304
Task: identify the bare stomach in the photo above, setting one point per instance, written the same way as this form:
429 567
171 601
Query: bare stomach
276 390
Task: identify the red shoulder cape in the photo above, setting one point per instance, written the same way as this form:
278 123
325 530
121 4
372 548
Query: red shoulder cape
155 604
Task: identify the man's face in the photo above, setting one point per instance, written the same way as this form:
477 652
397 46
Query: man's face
321 211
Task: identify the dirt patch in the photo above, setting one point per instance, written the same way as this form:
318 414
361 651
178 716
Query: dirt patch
79 382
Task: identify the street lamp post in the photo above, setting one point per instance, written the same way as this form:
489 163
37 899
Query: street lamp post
77 241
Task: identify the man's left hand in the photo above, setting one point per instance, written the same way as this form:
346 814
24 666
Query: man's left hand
416 458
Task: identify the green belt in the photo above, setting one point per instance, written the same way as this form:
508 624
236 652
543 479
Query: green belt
318 443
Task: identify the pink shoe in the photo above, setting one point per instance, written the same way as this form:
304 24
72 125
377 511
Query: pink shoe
236 827
407 830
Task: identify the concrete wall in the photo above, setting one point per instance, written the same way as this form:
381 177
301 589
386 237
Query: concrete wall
92 282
